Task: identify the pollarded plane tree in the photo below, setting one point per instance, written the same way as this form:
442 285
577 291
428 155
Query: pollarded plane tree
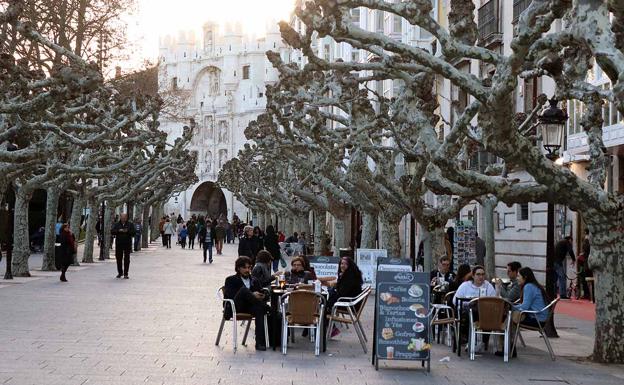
590 33
340 92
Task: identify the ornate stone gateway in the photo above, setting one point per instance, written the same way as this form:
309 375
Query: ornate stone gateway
209 199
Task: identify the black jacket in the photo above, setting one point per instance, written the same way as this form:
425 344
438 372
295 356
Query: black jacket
202 234
123 233
562 249
248 247
233 284
272 246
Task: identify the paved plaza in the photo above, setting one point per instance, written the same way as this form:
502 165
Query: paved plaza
159 327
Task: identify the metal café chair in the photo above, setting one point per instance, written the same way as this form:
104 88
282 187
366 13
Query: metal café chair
302 309
236 316
550 308
350 307
494 319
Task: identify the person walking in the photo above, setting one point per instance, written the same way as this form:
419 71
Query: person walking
207 236
67 250
138 229
161 228
248 245
272 246
563 248
123 231
191 226
168 230
220 237
183 235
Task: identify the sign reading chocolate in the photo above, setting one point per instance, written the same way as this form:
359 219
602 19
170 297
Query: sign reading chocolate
402 307
325 266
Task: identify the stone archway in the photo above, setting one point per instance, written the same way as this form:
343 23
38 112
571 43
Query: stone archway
209 199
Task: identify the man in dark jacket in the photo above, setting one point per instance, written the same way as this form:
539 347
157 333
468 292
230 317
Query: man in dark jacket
123 232
207 236
562 249
248 245
246 292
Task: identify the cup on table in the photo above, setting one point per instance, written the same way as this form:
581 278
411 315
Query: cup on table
390 352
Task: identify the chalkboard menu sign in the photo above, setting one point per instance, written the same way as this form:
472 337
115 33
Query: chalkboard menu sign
402 331
325 266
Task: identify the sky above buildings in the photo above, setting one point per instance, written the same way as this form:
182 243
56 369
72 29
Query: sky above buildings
156 18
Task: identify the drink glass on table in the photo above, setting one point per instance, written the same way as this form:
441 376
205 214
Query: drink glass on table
282 281
390 352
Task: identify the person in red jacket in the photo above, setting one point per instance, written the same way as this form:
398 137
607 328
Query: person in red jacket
68 249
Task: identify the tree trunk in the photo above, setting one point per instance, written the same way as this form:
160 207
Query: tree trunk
340 239
21 248
75 221
146 227
261 220
157 213
109 215
490 246
320 229
87 256
390 234
369 231
288 225
52 200
607 250
304 224
433 246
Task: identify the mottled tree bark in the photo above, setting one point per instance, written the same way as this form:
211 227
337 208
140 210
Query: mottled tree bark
76 216
369 231
340 235
320 229
304 224
390 234
52 200
21 246
157 213
145 236
488 237
90 234
109 217
288 225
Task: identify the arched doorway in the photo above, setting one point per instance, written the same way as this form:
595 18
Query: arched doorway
209 199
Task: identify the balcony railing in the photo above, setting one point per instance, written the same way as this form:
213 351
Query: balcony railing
518 7
489 20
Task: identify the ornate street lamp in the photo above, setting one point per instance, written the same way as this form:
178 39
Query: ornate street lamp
552 123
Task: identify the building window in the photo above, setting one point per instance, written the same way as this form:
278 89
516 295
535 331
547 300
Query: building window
518 7
355 16
174 83
379 25
523 212
575 113
246 72
208 41
531 90
398 24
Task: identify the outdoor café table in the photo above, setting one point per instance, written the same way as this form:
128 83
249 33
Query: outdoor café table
275 335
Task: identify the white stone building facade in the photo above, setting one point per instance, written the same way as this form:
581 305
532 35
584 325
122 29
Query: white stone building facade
223 74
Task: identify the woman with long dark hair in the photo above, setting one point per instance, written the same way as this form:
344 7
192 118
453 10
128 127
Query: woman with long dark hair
348 284
463 274
533 298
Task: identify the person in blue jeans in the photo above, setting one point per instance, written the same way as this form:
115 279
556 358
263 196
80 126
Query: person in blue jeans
563 248
207 236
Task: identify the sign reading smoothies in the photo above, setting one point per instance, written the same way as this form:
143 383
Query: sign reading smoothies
402 307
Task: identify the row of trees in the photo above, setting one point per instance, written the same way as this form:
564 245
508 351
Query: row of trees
63 128
329 140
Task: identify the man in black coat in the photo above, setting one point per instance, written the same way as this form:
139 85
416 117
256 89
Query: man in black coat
246 291
123 231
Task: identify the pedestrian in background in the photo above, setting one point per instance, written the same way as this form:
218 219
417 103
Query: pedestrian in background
67 250
563 248
191 226
207 236
272 246
168 230
123 231
161 228
183 235
138 229
220 237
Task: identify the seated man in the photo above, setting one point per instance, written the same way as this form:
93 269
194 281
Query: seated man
297 274
245 290
511 291
443 273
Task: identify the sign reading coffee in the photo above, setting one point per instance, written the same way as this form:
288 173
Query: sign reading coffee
325 266
402 324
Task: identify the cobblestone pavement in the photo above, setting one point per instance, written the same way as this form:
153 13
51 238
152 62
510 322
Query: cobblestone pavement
159 327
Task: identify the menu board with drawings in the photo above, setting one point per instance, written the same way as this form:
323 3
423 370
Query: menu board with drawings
402 325
465 241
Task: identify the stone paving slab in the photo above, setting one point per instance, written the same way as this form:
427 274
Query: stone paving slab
159 327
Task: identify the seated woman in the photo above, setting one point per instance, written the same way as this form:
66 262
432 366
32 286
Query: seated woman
262 269
297 274
348 284
308 267
478 287
463 275
533 298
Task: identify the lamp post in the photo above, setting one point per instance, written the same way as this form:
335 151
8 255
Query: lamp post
552 123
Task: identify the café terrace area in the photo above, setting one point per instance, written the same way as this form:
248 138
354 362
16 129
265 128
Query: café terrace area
160 327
